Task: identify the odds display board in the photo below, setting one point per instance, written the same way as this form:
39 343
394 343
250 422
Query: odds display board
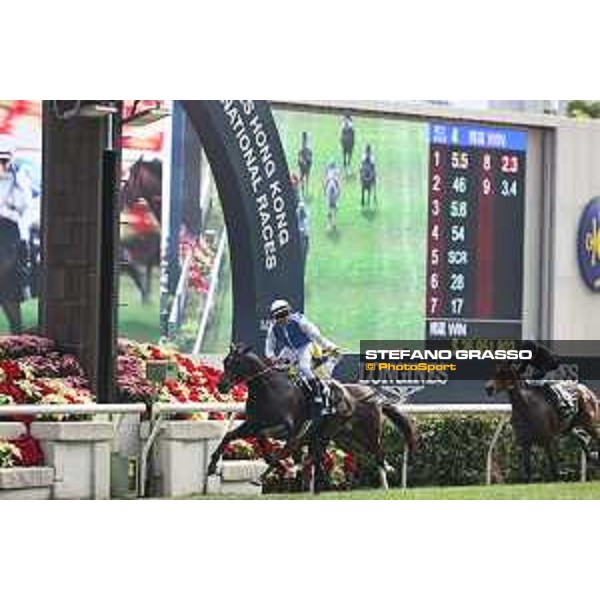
475 232
436 251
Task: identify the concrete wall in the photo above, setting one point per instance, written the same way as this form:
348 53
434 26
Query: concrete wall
575 309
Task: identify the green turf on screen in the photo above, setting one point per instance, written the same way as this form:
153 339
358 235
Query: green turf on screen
369 280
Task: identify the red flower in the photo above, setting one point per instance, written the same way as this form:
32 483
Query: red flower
7 388
328 462
239 392
349 464
156 353
31 451
11 369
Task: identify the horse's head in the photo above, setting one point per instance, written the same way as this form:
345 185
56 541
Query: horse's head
238 366
144 181
504 379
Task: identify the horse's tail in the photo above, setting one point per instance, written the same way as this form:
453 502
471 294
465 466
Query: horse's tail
588 402
403 423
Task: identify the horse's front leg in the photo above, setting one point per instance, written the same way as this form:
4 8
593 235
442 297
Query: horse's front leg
550 451
318 448
246 429
291 445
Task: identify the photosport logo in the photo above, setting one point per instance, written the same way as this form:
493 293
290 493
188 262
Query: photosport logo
401 362
588 244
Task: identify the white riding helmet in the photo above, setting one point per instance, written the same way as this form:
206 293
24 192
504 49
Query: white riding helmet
280 308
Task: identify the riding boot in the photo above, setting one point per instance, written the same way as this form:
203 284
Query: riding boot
317 407
327 401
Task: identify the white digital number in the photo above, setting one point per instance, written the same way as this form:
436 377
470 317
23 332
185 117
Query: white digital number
458 209
460 160
457 282
459 185
456 305
457 233
508 188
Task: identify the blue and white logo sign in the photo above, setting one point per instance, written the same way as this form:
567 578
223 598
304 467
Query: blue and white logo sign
588 244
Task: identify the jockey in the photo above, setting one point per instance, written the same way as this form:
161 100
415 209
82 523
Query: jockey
347 123
15 200
332 174
541 364
305 155
17 189
368 156
291 336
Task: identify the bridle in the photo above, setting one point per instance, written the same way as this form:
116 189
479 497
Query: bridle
513 383
255 376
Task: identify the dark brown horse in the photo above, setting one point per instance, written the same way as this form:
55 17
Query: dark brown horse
278 408
536 421
143 248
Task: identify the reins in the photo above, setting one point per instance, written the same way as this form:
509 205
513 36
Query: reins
250 379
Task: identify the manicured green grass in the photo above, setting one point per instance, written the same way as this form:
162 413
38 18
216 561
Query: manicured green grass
549 491
136 320
29 314
368 281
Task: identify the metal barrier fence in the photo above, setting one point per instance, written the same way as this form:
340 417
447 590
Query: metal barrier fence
29 410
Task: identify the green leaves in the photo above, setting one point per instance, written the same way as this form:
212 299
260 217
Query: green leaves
452 450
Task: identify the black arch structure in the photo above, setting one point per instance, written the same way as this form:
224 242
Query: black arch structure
248 163
81 215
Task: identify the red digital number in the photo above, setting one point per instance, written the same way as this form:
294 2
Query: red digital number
509 164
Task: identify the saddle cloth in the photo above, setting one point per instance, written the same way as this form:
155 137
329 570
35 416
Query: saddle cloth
333 393
562 395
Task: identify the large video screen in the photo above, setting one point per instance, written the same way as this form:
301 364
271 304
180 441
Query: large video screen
410 229
420 235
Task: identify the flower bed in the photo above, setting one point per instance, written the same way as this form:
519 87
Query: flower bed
293 475
34 371
24 451
187 380
191 381
9 455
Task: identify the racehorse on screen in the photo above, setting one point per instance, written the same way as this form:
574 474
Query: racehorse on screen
141 202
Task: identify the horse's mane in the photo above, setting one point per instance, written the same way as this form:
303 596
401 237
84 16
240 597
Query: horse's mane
154 166
255 358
